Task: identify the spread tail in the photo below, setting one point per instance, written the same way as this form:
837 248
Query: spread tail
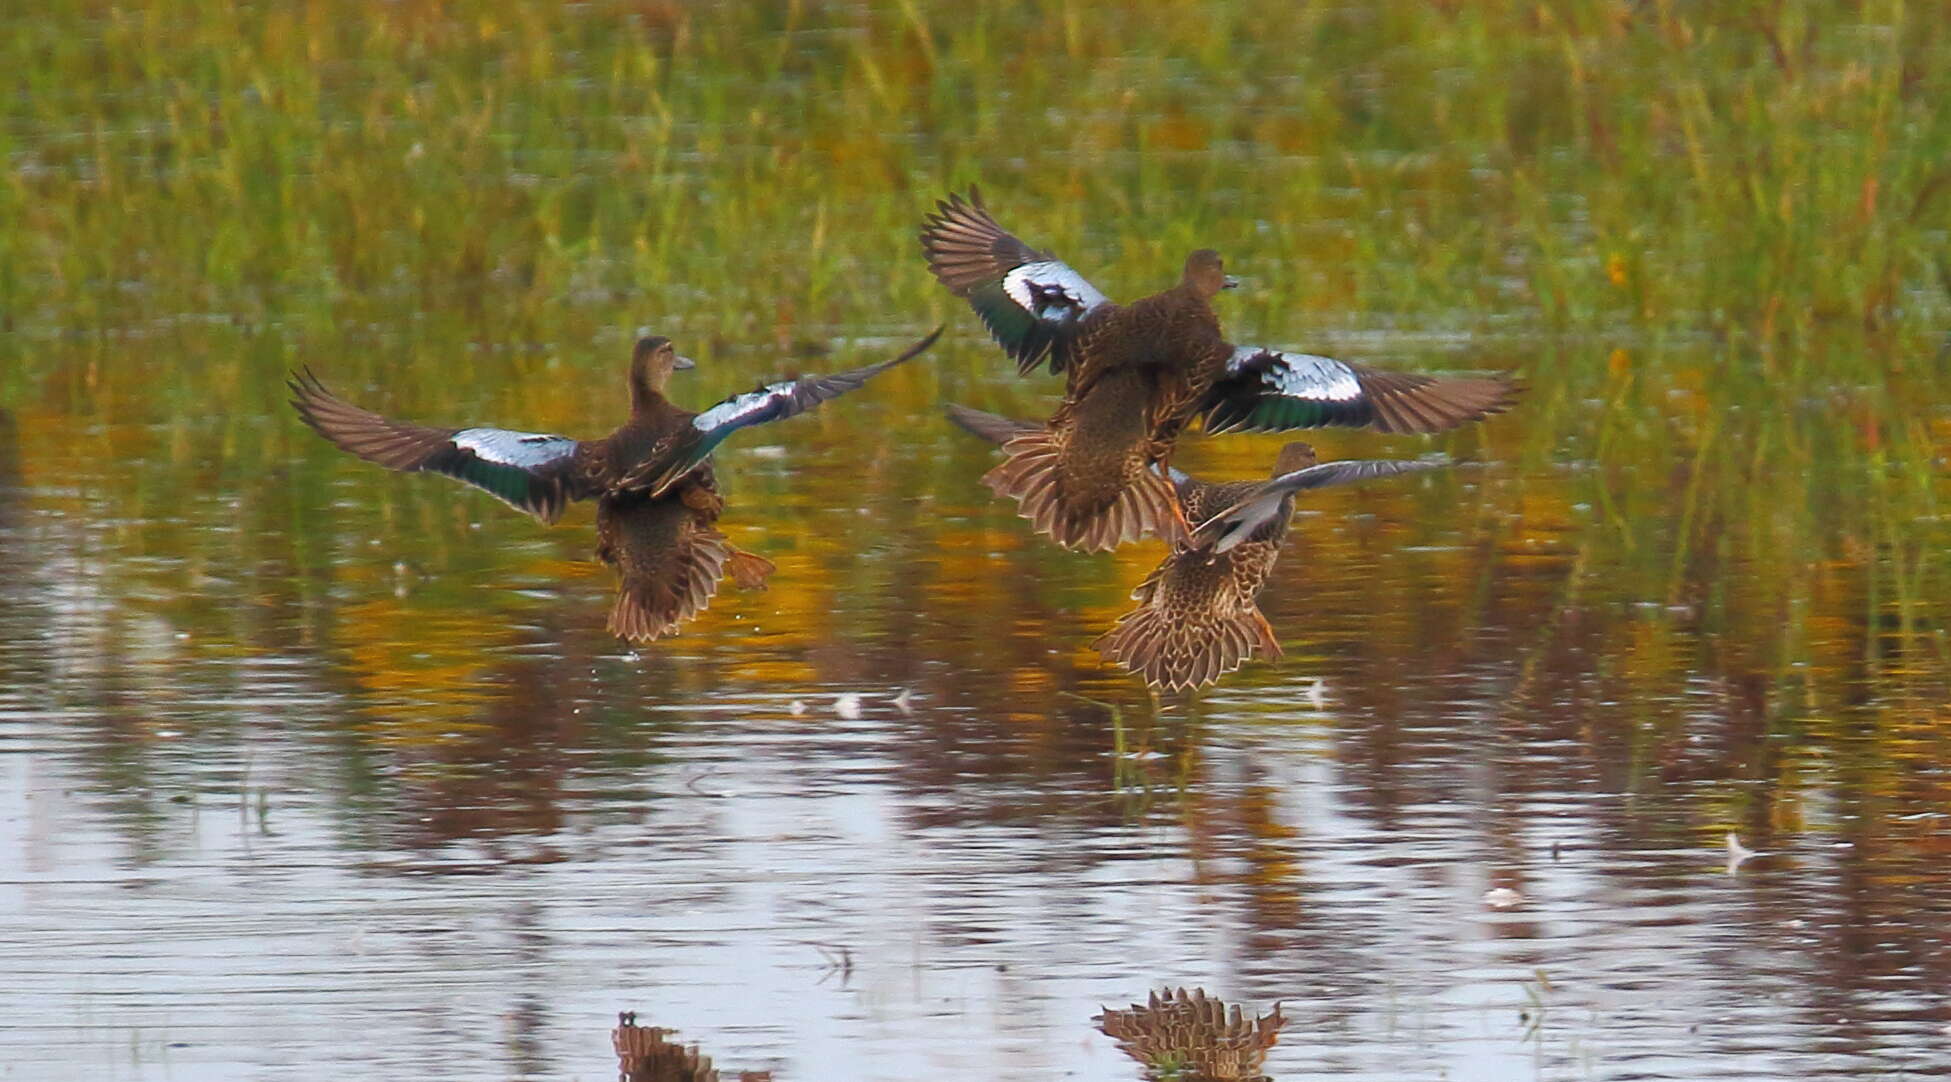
648 606
1186 653
1032 475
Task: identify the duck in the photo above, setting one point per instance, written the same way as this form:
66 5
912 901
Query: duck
1197 617
657 499
1136 375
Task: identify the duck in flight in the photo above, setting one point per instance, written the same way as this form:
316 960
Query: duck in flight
657 502
1136 374
1197 616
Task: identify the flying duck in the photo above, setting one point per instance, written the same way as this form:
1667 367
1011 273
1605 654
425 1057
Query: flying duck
657 502
1137 374
1197 617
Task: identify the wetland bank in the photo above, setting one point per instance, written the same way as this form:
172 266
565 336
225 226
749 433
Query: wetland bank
302 764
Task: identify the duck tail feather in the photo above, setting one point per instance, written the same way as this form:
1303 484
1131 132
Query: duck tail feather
1032 475
648 607
1176 653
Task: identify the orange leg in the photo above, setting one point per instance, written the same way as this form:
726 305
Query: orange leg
1268 639
1185 527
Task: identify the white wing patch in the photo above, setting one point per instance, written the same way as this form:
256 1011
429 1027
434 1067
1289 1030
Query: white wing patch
1238 522
1171 473
1051 291
526 450
747 408
1244 520
1302 375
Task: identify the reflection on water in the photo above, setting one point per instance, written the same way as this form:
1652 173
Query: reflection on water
278 743
1184 1036
1176 1036
648 1054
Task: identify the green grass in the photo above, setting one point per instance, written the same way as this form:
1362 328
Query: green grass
1756 174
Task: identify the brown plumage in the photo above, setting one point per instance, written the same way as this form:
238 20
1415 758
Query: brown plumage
1198 1037
1198 616
656 499
669 557
653 1054
1137 374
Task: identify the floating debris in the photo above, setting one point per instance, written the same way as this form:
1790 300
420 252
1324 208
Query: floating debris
1193 1037
905 702
1503 898
847 705
1737 854
796 707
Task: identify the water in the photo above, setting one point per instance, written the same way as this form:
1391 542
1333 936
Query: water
309 767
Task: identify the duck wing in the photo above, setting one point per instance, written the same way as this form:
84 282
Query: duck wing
1267 390
528 471
993 427
1266 503
769 402
1033 303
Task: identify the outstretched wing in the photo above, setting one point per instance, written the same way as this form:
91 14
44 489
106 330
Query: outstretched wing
993 427
771 402
1033 304
1241 519
1266 390
528 471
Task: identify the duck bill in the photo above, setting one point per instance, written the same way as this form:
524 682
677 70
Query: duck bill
1229 282
683 363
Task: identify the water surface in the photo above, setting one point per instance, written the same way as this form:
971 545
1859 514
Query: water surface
344 772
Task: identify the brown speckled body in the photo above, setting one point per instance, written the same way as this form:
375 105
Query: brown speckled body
1197 617
1087 480
653 1054
1143 368
658 535
1243 569
654 428
666 552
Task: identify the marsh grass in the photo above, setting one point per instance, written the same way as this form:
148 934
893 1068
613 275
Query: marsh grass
1711 238
1758 174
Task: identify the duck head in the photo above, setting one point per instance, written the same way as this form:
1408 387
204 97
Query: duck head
1294 456
1205 274
651 365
